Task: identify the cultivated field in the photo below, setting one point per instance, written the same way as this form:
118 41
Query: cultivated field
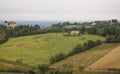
84 59
37 49
109 61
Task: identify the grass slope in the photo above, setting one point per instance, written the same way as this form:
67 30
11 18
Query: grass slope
37 49
111 60
84 59
11 66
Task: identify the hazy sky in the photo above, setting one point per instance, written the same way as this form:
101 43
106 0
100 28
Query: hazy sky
59 9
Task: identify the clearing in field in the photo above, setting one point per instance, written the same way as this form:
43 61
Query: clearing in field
109 61
37 49
86 58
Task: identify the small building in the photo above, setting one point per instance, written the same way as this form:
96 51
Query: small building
12 24
74 32
93 24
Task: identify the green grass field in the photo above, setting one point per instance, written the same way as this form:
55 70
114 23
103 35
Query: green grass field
84 59
37 49
8 66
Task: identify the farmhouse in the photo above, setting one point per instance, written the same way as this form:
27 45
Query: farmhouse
74 32
93 24
12 24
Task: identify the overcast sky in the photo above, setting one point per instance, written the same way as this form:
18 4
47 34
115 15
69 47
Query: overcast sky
59 9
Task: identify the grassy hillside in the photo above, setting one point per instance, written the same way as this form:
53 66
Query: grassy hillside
8 66
84 59
36 49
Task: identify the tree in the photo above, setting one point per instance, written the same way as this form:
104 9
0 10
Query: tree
109 39
57 57
98 42
117 39
92 30
90 43
82 29
112 31
105 31
114 20
85 46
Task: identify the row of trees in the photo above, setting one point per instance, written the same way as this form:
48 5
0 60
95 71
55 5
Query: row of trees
86 46
22 30
113 39
3 34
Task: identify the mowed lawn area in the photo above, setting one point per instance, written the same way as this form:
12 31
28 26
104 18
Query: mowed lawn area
37 49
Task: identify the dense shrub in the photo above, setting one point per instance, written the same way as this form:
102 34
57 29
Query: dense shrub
57 57
3 35
112 39
87 45
61 72
43 68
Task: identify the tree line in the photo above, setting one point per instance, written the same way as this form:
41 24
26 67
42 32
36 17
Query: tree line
3 34
109 29
103 28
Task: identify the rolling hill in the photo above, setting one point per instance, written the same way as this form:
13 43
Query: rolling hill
84 59
37 49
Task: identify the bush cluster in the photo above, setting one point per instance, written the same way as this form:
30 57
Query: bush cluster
57 57
112 39
87 45
61 72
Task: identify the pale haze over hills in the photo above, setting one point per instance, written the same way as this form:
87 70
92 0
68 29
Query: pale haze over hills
59 9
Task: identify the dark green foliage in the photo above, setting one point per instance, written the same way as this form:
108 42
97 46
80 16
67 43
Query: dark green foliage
43 68
87 45
77 49
61 72
57 57
22 30
82 29
31 71
3 35
110 31
114 20
91 43
98 42
112 39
